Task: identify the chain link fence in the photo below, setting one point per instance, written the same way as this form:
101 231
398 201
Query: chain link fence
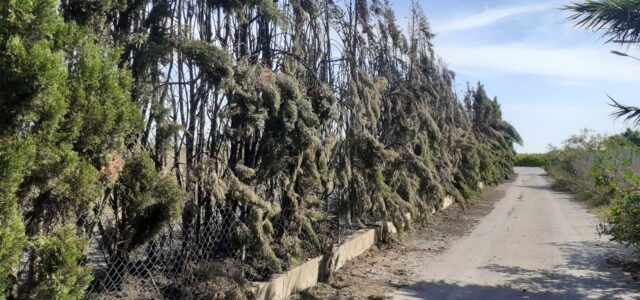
209 261
212 256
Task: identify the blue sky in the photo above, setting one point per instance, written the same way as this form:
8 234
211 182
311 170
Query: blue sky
551 78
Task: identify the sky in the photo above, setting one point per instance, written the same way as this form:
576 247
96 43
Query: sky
551 78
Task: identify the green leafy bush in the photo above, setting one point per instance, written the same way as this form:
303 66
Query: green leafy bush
624 222
147 198
530 160
59 275
603 171
571 166
616 174
15 160
66 108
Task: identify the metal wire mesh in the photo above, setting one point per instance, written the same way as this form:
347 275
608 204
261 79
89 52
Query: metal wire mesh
205 261
210 257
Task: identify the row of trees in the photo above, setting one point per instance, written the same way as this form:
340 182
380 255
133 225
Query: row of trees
120 116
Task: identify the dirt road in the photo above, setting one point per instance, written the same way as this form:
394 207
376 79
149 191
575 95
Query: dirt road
535 244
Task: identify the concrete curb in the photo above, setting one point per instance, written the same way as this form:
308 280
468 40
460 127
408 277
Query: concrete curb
310 273
283 285
446 202
314 270
353 247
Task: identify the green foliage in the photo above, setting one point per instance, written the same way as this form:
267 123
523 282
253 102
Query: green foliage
59 276
530 160
148 199
215 62
617 176
602 171
631 136
241 193
571 166
101 113
497 137
231 110
618 19
66 111
92 13
268 8
624 223
33 71
16 157
583 157
619 22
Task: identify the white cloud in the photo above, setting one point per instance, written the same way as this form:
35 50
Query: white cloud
575 63
489 17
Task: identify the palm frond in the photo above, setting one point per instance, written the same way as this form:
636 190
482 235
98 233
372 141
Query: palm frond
625 111
618 20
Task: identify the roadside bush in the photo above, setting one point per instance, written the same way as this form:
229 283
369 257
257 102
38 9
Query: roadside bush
625 219
530 160
616 174
603 172
571 166
59 276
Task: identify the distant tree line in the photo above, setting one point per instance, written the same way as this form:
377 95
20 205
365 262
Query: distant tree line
530 160
121 116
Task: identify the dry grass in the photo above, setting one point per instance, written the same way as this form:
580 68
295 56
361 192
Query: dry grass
603 212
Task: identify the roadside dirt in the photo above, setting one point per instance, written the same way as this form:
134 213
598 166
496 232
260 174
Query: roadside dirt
392 266
522 241
536 243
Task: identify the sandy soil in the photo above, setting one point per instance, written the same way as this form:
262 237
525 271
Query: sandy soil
523 241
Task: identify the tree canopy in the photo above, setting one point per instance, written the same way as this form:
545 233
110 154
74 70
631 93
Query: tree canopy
279 121
619 22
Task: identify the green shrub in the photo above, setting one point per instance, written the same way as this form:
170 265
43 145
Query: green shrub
59 276
603 172
66 108
15 160
147 197
530 160
624 222
616 175
572 166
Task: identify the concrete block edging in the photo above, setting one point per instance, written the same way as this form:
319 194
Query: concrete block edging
316 269
311 272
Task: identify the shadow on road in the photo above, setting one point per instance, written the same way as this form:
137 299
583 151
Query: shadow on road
585 274
446 290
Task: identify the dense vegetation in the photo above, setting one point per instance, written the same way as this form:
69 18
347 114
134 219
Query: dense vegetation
604 172
530 160
615 168
120 117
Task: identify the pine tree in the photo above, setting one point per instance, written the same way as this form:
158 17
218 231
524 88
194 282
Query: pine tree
68 113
